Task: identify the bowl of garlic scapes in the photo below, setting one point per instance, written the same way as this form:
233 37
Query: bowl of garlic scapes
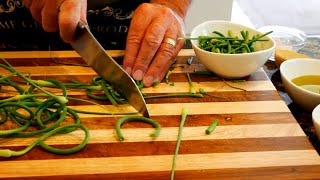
231 50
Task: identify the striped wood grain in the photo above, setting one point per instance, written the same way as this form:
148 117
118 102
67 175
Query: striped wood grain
110 165
257 136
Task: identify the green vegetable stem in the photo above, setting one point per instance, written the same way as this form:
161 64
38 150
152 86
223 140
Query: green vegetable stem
191 88
229 44
39 141
184 114
212 126
139 119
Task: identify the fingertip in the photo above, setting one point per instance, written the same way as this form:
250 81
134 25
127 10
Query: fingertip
67 26
147 81
128 70
49 28
36 9
67 29
150 79
138 75
27 3
49 20
69 17
128 62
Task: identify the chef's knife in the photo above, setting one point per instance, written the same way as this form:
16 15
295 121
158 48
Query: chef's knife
97 58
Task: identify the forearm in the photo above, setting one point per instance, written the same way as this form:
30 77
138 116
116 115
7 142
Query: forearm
178 6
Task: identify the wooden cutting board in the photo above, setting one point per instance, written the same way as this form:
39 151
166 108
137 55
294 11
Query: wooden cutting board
257 136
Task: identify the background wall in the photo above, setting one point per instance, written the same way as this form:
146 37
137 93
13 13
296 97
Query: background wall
204 10
301 14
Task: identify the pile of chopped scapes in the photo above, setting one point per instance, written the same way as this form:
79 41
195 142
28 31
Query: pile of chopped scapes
35 111
46 111
230 44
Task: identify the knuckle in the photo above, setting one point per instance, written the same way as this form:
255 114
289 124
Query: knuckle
133 40
128 60
143 62
168 51
156 69
144 7
156 28
71 3
152 42
165 12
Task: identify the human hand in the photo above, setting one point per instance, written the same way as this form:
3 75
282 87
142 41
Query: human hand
58 14
149 50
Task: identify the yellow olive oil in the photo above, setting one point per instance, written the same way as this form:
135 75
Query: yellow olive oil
310 82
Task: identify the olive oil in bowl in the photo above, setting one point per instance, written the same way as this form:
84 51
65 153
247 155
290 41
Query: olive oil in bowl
309 82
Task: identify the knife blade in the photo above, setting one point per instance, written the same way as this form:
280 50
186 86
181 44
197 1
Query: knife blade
106 67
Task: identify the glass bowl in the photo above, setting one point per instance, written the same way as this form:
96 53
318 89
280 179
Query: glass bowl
286 37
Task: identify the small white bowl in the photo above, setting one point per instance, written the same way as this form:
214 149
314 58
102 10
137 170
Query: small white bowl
231 65
316 120
295 68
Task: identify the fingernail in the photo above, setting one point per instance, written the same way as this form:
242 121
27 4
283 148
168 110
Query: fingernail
156 79
138 75
148 81
129 69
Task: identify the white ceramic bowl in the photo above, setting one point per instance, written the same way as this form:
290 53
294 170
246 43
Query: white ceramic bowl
316 120
300 67
231 65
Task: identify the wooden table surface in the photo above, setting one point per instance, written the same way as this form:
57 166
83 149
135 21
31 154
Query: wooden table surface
257 136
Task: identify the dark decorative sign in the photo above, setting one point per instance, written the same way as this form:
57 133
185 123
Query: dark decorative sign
109 21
